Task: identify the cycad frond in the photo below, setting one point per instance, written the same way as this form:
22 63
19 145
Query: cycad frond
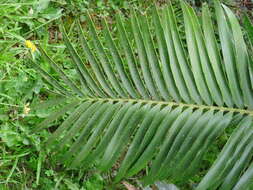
156 103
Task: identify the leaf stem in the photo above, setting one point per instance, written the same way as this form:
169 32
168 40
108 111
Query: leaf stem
225 109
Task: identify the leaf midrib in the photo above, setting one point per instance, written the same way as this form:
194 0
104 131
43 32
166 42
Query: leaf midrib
218 108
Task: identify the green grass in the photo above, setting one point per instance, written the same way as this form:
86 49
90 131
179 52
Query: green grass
23 162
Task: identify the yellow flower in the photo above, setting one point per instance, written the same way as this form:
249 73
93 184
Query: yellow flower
26 109
30 45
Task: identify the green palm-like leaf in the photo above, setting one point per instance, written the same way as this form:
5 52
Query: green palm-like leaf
156 103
